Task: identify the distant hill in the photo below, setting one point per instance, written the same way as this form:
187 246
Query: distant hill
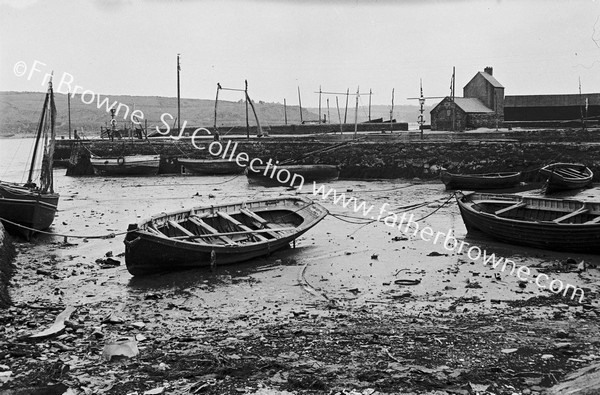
403 113
20 111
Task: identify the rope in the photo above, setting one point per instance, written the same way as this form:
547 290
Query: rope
107 236
437 209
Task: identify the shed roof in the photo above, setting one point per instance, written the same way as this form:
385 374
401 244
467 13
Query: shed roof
491 79
552 100
471 105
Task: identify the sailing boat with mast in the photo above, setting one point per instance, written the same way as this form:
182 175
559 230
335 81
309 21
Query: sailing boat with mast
26 209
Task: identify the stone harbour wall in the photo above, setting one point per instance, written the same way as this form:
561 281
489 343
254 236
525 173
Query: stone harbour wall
382 158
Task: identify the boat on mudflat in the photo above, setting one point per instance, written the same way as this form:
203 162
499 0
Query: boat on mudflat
209 166
267 177
26 209
130 165
217 235
564 176
554 224
480 181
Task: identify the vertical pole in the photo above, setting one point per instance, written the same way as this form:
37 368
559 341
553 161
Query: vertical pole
247 123
300 104
216 101
453 105
328 115
370 93
285 111
69 106
581 107
337 103
319 103
356 113
392 113
346 112
178 98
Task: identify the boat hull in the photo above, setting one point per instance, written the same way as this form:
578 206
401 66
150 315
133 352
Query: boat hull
565 176
210 166
480 181
27 208
126 165
535 232
298 174
150 252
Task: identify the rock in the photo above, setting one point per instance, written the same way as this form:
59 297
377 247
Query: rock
124 348
547 356
509 350
155 391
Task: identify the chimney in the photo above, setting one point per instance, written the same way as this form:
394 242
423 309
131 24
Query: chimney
489 70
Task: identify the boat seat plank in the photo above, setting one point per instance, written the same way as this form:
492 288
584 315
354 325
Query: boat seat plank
571 173
570 215
594 221
180 228
153 229
196 220
240 225
262 221
509 208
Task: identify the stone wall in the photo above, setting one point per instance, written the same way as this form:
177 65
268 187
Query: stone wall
390 158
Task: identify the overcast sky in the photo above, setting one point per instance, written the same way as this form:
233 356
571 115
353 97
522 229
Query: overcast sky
129 47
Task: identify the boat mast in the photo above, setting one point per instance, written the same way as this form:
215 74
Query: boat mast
38 137
178 98
300 104
370 93
50 154
356 112
69 107
216 101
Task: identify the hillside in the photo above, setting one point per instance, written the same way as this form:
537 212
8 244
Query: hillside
19 112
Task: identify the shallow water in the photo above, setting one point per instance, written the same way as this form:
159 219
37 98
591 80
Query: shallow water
335 261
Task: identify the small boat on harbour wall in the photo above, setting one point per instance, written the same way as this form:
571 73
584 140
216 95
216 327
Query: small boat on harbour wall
554 224
209 166
278 175
26 209
129 165
480 181
564 176
217 235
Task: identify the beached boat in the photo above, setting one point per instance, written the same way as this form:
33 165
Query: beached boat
562 176
26 209
209 166
217 235
564 225
126 165
278 175
480 181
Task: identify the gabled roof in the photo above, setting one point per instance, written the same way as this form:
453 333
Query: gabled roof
491 79
471 105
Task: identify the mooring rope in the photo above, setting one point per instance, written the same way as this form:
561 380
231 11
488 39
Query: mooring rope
106 236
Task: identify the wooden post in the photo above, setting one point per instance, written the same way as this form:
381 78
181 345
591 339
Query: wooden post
300 104
69 107
328 115
319 103
285 111
356 113
370 93
339 116
247 123
346 112
178 98
216 101
392 113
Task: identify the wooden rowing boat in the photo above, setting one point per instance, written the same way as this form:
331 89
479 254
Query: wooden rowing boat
130 165
480 181
217 235
209 166
298 174
562 176
555 224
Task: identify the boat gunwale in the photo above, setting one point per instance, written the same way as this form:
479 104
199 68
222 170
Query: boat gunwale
550 224
142 225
